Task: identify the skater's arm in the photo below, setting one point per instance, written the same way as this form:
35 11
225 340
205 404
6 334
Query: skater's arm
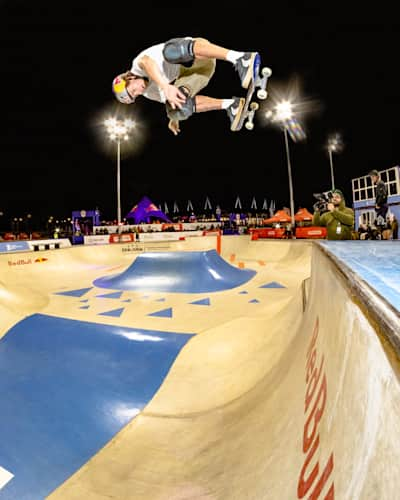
172 94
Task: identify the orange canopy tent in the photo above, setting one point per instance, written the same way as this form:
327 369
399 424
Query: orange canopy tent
280 216
303 215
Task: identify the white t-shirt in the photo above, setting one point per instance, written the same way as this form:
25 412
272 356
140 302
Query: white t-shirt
168 70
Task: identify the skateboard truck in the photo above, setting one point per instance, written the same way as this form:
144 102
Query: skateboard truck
250 117
262 92
250 108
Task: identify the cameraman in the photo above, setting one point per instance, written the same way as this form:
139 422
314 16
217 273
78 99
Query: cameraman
338 219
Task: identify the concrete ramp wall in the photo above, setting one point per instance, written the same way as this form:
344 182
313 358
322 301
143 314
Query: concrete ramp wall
290 406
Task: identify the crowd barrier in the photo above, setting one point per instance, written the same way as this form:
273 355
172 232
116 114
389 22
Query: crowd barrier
33 245
309 232
104 239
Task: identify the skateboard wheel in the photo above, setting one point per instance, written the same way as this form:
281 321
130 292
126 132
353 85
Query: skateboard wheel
262 94
249 125
254 106
266 71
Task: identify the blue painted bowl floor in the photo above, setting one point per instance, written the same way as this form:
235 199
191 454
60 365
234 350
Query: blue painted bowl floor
178 272
67 388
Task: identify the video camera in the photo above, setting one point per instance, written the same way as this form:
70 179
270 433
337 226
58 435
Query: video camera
322 201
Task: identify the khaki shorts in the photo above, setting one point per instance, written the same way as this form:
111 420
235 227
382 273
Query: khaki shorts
197 76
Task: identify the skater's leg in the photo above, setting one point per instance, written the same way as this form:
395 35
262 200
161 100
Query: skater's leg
233 107
198 104
201 104
205 103
203 49
195 78
244 61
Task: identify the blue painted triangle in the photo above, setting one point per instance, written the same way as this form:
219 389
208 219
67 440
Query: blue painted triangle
113 295
116 313
161 300
127 300
254 301
201 302
74 293
164 313
84 307
243 293
84 300
273 284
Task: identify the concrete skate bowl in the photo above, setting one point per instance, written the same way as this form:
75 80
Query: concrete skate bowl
268 395
297 404
16 298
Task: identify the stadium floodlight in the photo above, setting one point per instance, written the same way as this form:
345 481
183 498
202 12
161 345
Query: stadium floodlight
118 130
283 111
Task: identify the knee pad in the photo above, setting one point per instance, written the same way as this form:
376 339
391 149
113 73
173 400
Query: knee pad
187 109
179 51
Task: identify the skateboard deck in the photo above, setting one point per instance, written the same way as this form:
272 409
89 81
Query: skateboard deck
259 81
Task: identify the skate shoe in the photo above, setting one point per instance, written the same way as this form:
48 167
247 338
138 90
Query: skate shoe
245 66
235 111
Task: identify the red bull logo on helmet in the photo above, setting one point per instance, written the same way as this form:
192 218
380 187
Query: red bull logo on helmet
120 92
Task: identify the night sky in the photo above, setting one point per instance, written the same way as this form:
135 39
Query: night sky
58 60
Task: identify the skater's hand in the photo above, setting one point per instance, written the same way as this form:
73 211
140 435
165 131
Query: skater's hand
173 125
174 96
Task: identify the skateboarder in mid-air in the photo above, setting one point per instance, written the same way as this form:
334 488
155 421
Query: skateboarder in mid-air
176 71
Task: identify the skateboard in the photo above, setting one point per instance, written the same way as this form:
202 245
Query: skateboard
259 81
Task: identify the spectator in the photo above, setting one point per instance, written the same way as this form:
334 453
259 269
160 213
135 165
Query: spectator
338 219
394 225
386 230
363 231
381 194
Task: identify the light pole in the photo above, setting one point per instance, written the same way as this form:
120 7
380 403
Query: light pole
283 114
334 146
28 225
118 130
289 166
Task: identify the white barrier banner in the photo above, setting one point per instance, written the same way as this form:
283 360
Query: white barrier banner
168 236
98 239
49 244
158 236
186 226
33 245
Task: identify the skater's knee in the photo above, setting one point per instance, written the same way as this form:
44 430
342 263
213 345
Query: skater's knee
183 113
199 42
179 50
